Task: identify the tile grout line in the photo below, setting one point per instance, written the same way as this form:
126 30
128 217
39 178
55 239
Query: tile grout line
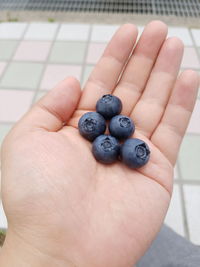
178 183
186 68
193 68
6 123
21 89
54 62
186 182
18 88
10 60
192 134
183 206
85 54
45 63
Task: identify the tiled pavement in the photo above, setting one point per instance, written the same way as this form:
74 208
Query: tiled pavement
34 57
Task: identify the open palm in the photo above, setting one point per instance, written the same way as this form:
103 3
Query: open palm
73 208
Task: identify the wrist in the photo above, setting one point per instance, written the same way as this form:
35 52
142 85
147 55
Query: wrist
16 252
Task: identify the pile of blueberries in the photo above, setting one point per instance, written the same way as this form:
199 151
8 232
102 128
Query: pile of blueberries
107 148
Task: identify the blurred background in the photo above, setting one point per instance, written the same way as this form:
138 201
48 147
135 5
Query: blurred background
43 41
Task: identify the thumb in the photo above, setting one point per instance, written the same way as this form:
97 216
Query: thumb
55 108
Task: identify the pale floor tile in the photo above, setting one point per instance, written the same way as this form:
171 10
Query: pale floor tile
32 51
190 58
194 125
174 217
41 31
12 30
176 176
95 51
4 129
182 33
189 158
2 67
7 48
13 104
68 52
192 199
22 75
3 220
55 73
103 33
196 36
73 32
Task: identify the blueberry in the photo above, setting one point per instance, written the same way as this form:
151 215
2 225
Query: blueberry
135 153
109 106
91 125
106 149
121 127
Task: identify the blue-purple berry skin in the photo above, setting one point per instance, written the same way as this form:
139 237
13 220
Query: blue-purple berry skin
91 125
109 106
135 153
106 149
121 127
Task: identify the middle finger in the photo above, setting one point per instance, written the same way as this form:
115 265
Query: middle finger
138 69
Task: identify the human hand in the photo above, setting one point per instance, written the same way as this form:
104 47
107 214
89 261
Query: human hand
73 211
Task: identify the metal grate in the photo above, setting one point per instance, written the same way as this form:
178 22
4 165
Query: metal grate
184 8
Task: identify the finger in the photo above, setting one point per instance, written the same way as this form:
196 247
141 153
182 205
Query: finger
140 64
55 108
149 109
106 73
170 131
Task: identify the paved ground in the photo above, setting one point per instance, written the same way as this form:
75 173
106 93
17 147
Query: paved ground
35 56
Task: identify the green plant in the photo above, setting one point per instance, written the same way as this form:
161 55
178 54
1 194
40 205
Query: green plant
51 20
2 237
10 19
13 20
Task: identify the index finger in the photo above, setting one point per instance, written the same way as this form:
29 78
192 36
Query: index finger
107 71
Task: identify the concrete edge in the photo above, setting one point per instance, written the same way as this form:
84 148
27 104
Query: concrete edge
91 17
